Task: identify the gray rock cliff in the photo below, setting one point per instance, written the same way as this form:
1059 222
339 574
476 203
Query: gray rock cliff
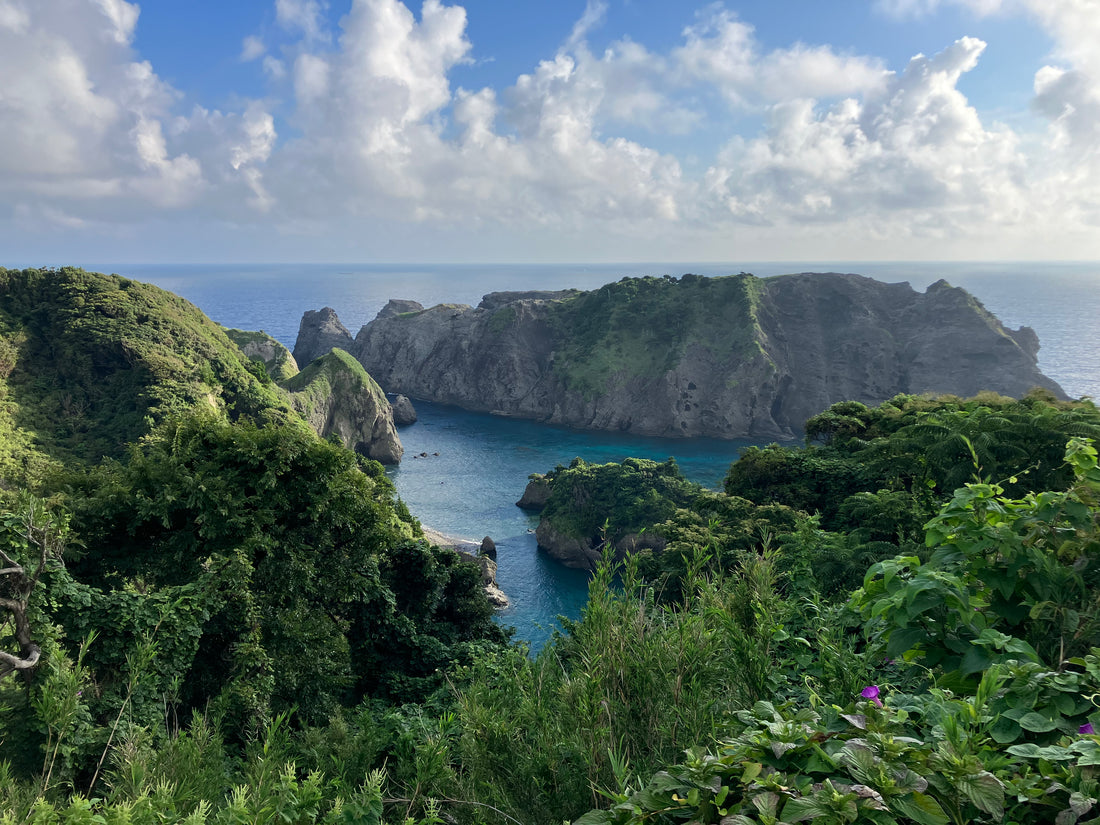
403 411
320 331
718 357
336 396
535 494
396 306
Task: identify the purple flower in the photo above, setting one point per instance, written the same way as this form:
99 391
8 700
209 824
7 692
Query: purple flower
871 692
1086 728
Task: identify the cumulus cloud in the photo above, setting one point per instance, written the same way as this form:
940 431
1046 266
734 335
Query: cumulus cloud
915 154
304 16
378 132
721 50
90 131
252 47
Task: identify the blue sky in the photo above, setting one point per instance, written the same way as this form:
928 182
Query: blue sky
531 130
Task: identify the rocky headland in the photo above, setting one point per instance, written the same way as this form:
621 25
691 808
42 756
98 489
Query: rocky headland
689 357
335 395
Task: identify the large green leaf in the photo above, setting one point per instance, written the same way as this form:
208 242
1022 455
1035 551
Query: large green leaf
920 808
1037 723
985 791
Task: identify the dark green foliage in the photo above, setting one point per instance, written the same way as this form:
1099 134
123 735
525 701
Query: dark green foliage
812 480
91 362
247 628
587 500
320 589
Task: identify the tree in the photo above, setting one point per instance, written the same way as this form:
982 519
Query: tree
30 538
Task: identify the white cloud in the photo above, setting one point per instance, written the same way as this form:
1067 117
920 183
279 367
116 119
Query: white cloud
594 13
301 15
14 17
915 156
122 16
377 134
274 68
252 47
720 50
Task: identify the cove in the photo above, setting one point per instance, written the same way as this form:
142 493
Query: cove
470 488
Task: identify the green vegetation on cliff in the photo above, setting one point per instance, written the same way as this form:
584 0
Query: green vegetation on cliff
315 383
261 347
645 326
183 559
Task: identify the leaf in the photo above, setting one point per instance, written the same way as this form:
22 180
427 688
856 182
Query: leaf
904 639
857 720
767 803
752 770
976 660
594 818
1037 723
797 810
920 808
985 791
1005 730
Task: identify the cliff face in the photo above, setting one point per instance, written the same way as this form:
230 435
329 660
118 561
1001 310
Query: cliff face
718 357
336 396
320 331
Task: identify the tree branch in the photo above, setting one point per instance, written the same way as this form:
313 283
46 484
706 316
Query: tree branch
11 662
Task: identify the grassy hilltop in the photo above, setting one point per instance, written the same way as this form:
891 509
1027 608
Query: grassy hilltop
90 363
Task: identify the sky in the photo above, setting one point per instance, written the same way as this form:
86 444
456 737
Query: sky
548 130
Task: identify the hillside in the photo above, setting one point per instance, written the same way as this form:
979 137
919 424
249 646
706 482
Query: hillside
689 357
90 363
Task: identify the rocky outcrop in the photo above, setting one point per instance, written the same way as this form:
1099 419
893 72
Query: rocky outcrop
337 397
568 550
259 346
718 357
535 494
396 306
488 567
318 333
488 548
403 411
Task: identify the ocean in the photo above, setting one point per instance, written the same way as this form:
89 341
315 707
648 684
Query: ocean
470 488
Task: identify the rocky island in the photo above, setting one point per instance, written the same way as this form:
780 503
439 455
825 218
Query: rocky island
690 357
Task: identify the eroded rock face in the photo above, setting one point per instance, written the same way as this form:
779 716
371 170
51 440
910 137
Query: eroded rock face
717 357
320 331
403 411
336 396
397 306
568 550
535 494
493 593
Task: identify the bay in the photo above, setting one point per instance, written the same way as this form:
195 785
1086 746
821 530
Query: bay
469 489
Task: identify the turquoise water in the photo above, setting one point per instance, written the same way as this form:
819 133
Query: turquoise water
469 490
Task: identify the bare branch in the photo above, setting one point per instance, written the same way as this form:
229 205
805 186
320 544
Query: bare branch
15 663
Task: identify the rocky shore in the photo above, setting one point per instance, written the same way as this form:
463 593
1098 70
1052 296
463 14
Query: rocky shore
469 548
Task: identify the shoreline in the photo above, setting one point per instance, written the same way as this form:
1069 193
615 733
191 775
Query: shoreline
440 539
497 598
